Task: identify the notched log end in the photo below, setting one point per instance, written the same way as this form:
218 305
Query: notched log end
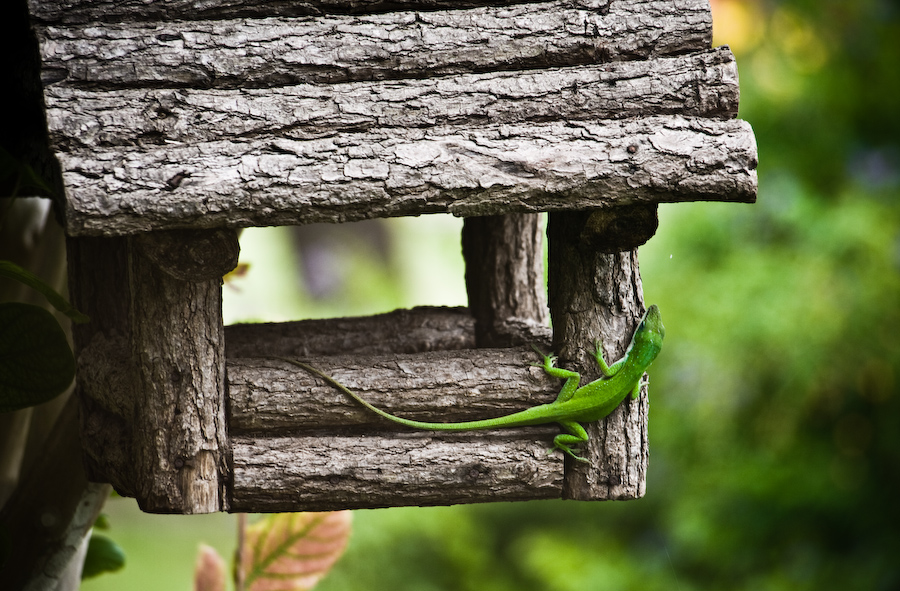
619 229
192 255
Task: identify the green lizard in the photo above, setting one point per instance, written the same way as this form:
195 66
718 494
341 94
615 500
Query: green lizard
573 405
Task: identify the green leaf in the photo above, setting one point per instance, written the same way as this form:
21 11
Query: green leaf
36 363
102 522
14 271
293 551
103 556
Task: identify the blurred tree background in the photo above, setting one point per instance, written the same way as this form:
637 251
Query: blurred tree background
775 415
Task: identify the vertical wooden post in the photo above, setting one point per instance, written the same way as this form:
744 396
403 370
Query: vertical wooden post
597 294
179 344
505 277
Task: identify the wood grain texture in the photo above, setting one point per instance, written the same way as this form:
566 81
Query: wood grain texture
190 114
504 258
275 51
481 170
701 84
591 294
326 472
180 439
110 11
401 331
270 395
300 444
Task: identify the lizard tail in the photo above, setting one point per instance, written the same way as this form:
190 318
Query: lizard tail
523 416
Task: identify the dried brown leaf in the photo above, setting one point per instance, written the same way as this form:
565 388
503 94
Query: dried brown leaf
293 551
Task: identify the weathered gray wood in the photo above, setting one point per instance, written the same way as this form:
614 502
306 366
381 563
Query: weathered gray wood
229 114
85 11
401 331
481 170
597 295
180 439
700 84
326 471
505 277
192 255
246 53
270 395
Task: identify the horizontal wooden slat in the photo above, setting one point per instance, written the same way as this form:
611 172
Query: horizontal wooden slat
322 472
87 11
476 170
271 395
401 331
702 84
269 52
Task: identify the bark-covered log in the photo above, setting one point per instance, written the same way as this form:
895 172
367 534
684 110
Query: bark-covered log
99 287
482 170
189 114
702 84
271 395
505 277
326 471
401 331
192 255
180 440
266 52
87 11
597 295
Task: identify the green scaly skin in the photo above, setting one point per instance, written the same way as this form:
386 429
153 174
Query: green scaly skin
574 405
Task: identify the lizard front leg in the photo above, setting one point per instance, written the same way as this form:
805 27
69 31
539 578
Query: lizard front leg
608 370
573 378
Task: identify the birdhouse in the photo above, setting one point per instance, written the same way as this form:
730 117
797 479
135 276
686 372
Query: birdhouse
176 122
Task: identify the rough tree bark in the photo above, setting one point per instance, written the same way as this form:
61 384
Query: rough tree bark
598 295
505 278
180 451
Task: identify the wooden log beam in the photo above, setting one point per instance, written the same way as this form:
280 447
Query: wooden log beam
703 84
482 170
327 472
267 52
595 294
505 277
401 331
270 395
111 11
179 430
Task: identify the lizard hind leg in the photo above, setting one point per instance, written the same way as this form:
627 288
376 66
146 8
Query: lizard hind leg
576 436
